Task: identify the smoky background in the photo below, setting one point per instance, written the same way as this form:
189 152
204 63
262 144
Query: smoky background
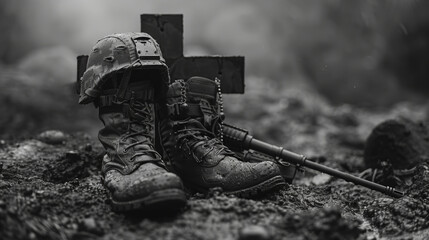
365 54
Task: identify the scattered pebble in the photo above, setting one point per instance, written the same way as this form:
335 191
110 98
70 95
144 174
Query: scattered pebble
52 137
40 192
28 191
32 235
88 147
73 155
321 179
4 184
254 232
28 150
65 220
74 226
88 224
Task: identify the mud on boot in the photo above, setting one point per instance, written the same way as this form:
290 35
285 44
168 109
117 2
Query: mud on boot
191 133
133 172
126 75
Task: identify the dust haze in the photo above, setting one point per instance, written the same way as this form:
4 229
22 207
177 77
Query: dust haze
356 53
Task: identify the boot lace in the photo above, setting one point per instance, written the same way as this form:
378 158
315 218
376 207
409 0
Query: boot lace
141 117
189 139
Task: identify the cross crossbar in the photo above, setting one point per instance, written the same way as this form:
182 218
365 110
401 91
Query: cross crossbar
167 29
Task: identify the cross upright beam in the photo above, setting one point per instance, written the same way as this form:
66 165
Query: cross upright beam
167 29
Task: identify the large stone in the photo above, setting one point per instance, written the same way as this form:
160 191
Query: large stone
254 232
52 137
400 143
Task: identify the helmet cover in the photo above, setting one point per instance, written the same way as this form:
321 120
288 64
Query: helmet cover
117 53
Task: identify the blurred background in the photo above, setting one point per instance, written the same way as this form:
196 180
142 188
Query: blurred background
369 55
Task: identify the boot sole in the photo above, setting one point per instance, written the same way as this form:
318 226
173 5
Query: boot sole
263 187
162 200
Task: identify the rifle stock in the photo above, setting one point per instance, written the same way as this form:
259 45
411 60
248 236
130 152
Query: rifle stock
240 139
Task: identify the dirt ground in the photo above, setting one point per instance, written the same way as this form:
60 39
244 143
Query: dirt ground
50 185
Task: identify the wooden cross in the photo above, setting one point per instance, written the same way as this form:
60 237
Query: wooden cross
167 29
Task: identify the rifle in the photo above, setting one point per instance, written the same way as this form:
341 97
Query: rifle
240 139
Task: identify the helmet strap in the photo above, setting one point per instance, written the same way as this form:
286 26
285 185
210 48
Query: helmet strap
123 86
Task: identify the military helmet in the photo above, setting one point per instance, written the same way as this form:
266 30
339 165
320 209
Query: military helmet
119 53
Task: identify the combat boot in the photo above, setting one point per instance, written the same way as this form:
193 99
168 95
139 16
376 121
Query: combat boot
125 76
191 139
133 172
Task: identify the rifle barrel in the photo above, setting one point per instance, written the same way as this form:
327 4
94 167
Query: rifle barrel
241 137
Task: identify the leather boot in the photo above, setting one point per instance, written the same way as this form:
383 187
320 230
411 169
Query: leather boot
191 139
133 172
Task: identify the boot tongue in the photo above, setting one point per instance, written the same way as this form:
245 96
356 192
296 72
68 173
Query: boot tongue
203 91
202 88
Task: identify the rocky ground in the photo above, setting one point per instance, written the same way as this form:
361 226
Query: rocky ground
50 184
50 180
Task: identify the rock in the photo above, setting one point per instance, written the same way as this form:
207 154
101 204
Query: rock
88 147
401 143
4 184
28 150
321 179
52 137
90 225
254 232
32 235
28 192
